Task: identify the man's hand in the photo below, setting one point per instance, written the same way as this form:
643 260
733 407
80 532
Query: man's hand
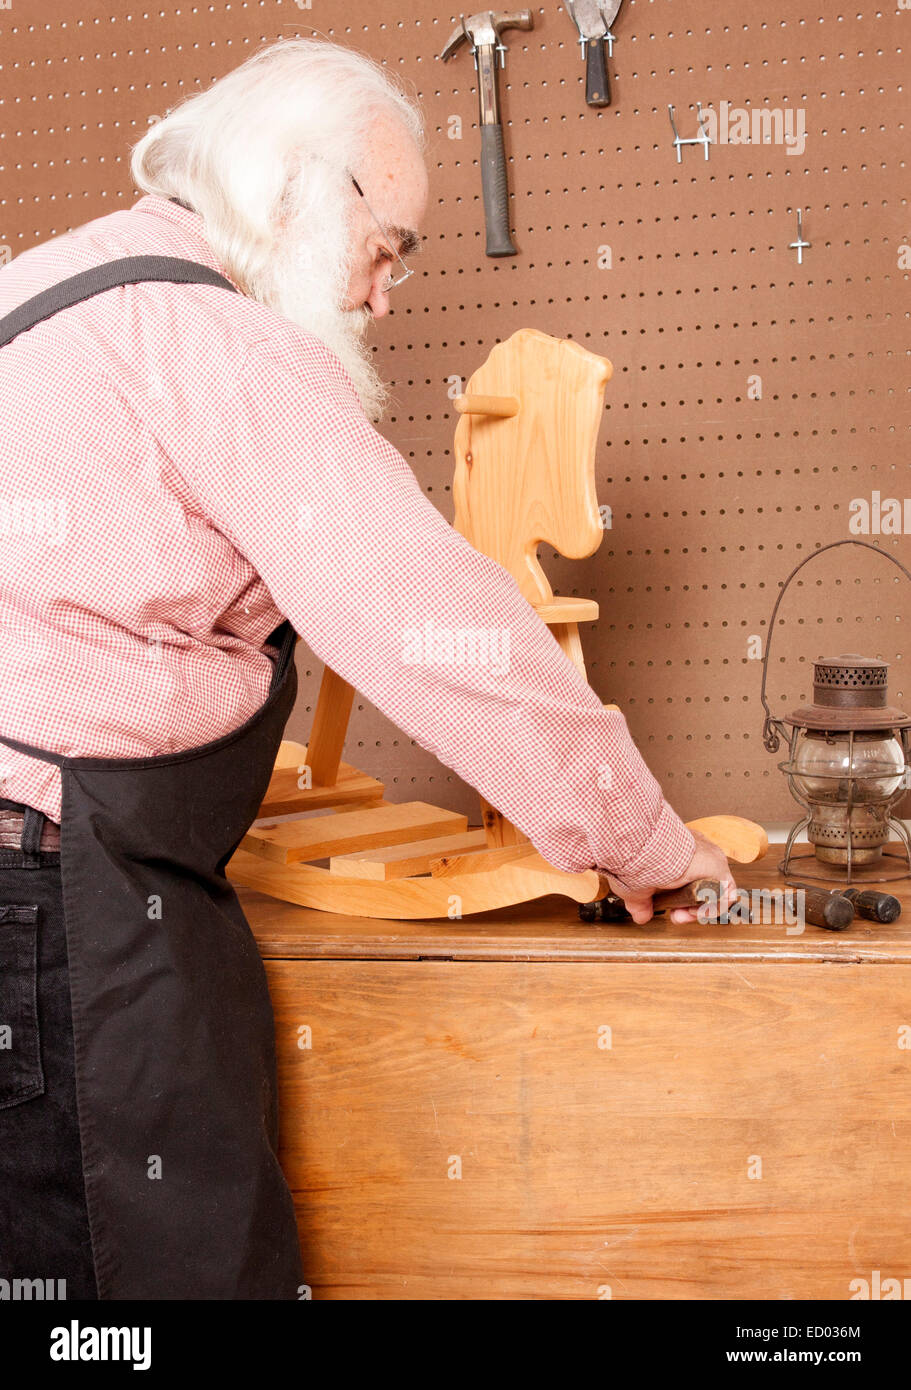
707 862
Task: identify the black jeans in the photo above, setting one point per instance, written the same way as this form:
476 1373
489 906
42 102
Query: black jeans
44 1231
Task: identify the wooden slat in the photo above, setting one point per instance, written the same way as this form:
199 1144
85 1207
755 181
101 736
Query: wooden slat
498 830
321 836
329 728
741 840
283 796
484 861
402 861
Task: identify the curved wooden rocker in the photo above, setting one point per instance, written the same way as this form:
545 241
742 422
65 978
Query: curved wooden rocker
525 474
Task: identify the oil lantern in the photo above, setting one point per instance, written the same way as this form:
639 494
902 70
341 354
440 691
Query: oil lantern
848 758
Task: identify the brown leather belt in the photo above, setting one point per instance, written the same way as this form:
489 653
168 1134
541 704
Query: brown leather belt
11 823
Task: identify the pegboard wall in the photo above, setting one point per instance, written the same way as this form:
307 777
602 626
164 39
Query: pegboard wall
759 406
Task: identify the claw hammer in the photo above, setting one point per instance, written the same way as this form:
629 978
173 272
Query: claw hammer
482 32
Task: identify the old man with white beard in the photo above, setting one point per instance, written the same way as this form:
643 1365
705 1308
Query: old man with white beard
190 381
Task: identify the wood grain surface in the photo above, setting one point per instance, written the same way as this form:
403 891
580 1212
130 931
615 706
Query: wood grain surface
550 929
457 1132
454 1126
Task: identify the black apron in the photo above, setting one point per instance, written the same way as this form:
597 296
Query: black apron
172 1022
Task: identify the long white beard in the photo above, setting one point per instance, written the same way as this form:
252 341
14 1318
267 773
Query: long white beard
307 283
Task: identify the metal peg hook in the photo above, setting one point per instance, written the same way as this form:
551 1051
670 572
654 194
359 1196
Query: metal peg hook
799 245
701 139
583 42
607 36
469 40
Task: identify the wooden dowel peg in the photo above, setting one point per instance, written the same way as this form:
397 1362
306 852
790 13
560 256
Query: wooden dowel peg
501 406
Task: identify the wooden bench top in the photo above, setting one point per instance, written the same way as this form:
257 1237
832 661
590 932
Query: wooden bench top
549 929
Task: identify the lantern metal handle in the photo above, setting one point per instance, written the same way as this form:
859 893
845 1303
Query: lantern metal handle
770 738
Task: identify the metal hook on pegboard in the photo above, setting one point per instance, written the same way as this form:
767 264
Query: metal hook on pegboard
701 139
799 245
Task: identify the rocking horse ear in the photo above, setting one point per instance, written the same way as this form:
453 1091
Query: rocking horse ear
525 455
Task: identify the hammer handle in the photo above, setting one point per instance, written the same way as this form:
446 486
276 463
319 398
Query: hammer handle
495 190
597 82
519 19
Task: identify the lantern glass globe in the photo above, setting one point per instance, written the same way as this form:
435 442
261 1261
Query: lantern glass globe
823 767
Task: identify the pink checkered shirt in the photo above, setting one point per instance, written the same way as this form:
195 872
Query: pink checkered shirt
180 467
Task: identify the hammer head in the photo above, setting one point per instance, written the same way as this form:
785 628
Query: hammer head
483 29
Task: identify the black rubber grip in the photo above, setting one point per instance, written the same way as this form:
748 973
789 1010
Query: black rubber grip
597 82
495 190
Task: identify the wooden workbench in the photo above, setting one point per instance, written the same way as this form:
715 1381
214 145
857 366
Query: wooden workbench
524 1106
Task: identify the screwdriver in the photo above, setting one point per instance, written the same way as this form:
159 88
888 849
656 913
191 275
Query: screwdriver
820 908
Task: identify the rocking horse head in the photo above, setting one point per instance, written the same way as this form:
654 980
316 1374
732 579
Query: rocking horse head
525 454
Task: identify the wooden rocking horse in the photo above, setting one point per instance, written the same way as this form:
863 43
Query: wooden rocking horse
525 473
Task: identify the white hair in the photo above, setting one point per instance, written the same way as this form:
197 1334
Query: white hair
265 149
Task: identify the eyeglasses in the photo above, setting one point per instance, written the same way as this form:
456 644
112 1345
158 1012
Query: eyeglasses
399 279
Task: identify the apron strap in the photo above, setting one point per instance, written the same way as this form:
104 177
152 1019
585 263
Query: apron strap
126 271
46 757
285 638
30 841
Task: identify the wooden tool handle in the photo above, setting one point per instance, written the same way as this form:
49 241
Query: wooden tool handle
597 82
822 909
695 894
874 905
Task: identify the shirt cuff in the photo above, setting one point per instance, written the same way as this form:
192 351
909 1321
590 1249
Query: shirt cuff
664 856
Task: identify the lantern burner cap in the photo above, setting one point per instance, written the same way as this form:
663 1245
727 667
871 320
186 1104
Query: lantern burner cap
849 692
851 672
850 682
